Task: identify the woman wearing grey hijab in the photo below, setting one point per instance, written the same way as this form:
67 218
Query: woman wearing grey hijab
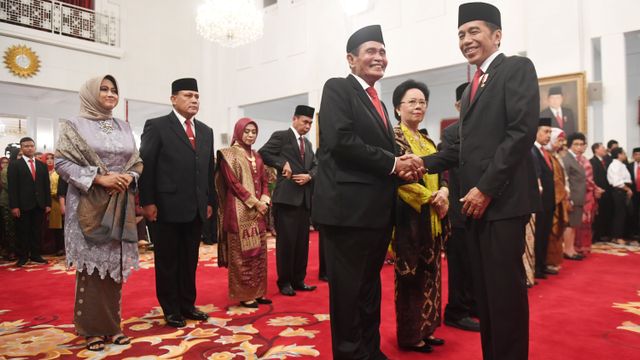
96 154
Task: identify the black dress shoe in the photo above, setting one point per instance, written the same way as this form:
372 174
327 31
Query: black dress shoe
21 262
304 287
323 278
572 257
466 323
174 320
195 314
550 271
426 348
540 275
39 260
263 300
434 341
287 290
251 305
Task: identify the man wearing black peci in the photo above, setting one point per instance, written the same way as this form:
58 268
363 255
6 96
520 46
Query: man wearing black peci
355 193
291 154
177 197
498 122
461 304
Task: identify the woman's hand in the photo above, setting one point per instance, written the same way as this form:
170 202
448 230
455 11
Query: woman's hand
262 208
114 182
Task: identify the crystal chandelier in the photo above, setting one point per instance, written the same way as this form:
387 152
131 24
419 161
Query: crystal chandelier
230 23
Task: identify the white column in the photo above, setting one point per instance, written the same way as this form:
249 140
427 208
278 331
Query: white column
614 83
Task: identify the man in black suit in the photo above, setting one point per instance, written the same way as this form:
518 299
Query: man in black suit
634 170
291 153
611 144
177 196
561 116
600 226
544 216
354 194
498 124
460 304
29 200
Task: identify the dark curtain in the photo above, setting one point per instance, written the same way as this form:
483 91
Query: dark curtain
87 4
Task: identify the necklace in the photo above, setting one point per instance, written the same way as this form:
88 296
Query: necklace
106 126
252 161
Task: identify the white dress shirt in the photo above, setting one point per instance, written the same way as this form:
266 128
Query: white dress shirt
183 121
26 160
618 174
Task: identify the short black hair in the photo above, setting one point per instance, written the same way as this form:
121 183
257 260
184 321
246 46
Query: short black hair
493 27
616 152
575 136
611 142
595 147
26 139
402 89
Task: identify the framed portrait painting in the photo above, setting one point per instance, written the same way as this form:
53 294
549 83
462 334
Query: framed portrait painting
563 98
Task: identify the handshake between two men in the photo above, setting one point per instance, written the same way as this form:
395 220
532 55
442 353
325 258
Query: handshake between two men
410 168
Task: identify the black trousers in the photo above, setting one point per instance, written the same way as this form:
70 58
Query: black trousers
460 303
176 259
292 243
495 250
620 213
354 260
544 222
322 263
29 228
602 221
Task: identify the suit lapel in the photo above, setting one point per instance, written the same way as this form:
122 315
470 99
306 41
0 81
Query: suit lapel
484 83
293 139
200 136
373 113
176 126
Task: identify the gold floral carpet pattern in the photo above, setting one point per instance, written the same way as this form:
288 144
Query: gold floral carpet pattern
230 332
590 310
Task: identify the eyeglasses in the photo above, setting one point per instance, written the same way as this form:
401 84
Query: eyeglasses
413 103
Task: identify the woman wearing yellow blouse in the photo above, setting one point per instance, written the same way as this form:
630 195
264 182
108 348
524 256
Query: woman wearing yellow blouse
55 216
419 234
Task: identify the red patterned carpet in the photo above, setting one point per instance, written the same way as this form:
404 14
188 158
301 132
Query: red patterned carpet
591 310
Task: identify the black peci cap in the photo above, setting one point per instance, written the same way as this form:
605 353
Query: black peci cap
544 121
304 110
367 33
460 90
555 90
479 11
189 84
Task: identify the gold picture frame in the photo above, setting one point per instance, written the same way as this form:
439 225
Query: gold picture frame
573 91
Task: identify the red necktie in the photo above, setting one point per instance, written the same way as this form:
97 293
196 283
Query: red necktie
190 135
546 157
603 163
33 169
638 177
560 121
476 81
302 147
376 103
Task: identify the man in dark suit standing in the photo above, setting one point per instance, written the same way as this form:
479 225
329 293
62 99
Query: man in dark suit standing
600 226
460 304
29 200
544 217
498 123
354 194
634 170
561 117
291 154
177 196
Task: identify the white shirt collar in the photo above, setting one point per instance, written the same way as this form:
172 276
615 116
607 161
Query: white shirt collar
363 83
295 132
183 119
26 160
572 153
485 65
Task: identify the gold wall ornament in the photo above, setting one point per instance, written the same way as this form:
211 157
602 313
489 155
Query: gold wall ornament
21 61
